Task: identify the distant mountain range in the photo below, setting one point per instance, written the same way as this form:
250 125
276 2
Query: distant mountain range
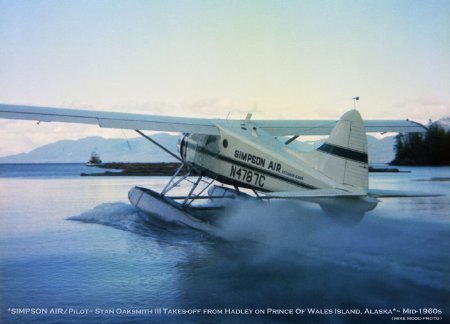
110 150
141 150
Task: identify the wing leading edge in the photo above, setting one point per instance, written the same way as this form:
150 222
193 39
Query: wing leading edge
192 125
110 119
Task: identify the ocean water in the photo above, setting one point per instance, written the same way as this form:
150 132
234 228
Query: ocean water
72 249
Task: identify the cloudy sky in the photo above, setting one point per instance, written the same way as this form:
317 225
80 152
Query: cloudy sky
277 59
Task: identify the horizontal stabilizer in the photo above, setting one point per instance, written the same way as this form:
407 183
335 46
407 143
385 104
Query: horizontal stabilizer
315 193
381 193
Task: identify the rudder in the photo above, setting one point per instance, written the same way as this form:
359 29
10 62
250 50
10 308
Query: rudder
343 157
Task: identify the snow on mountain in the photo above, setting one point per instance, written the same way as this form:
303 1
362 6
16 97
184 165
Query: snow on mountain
381 150
141 150
444 123
110 150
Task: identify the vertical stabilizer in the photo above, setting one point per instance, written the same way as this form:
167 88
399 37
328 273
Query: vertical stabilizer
343 157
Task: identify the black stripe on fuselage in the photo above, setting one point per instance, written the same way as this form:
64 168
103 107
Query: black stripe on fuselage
251 167
344 153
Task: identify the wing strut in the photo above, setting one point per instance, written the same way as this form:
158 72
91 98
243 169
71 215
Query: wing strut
293 138
171 184
159 145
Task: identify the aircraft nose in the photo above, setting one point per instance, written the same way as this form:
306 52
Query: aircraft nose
181 145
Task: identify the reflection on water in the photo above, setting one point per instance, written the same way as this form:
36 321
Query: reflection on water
76 242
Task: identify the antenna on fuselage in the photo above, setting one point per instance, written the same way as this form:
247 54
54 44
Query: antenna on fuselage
248 117
354 102
245 121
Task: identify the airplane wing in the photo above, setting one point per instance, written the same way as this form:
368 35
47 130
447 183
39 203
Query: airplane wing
191 125
110 119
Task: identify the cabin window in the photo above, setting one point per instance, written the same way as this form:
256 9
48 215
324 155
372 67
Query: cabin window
225 143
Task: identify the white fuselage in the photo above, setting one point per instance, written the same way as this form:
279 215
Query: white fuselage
248 157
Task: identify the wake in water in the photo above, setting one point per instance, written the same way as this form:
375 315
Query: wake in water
118 215
303 258
415 250
125 217
392 252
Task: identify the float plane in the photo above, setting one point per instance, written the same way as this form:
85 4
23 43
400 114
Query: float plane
250 154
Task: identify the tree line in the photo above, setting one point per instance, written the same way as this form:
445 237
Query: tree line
431 148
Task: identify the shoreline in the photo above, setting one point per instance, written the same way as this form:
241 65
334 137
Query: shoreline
136 169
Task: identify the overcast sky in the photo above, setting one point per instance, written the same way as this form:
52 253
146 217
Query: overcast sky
277 59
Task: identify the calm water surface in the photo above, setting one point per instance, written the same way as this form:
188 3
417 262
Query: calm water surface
74 243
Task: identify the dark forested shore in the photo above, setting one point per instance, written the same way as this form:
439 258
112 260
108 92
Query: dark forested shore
137 169
428 149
